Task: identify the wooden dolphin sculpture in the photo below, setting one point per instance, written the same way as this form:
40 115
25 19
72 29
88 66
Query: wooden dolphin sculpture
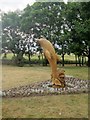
57 77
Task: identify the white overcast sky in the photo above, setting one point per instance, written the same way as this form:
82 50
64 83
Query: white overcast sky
12 5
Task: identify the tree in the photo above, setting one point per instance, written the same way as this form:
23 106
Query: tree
47 20
12 36
85 14
77 42
10 25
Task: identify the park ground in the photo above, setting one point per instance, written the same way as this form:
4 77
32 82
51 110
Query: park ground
55 106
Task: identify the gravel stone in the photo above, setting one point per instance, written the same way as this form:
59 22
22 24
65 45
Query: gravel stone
73 86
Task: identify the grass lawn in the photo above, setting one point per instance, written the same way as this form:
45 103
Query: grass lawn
67 57
15 76
61 106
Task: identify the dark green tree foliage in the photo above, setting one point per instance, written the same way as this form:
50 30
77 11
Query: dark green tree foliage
40 19
13 38
85 25
11 19
10 24
47 20
75 20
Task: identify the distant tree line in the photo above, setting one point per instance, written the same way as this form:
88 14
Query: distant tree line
67 26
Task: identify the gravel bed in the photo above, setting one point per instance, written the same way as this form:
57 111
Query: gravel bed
73 86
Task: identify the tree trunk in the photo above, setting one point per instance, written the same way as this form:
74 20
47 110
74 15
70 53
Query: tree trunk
42 58
62 59
5 55
29 57
46 62
62 54
85 60
79 60
76 59
39 57
89 58
82 60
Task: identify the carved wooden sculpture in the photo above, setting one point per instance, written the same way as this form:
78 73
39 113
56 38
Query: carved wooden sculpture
57 76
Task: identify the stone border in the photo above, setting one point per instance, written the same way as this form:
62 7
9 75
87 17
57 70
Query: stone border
73 86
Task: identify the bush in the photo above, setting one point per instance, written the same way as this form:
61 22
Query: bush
18 60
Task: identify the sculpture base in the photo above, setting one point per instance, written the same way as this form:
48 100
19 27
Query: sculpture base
73 86
56 86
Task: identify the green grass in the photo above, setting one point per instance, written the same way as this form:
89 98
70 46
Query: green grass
76 71
61 106
16 76
70 57
10 55
67 57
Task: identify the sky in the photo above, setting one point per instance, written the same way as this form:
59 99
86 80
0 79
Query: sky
12 5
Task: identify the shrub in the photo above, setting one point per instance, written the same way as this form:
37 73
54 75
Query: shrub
18 60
